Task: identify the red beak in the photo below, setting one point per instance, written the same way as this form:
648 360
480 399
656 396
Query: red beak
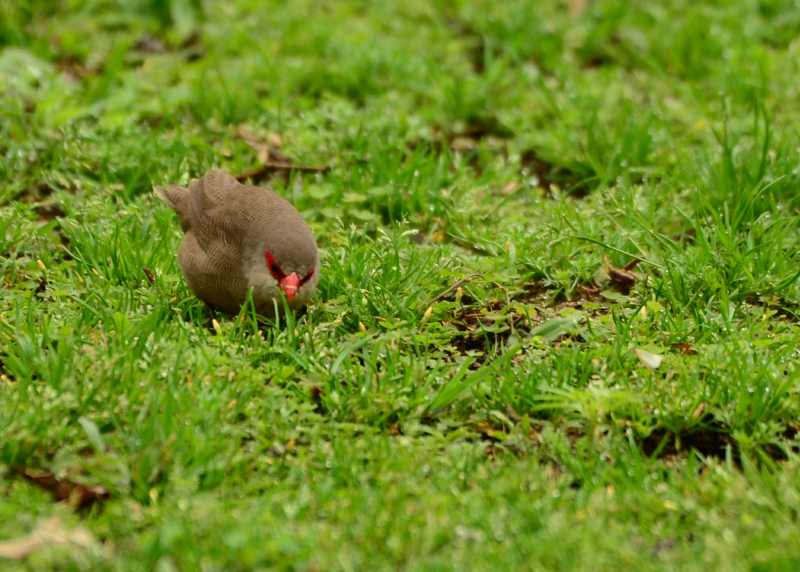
290 284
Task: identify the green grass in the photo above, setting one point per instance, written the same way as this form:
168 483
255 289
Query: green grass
464 392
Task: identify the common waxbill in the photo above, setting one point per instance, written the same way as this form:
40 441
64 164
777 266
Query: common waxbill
239 237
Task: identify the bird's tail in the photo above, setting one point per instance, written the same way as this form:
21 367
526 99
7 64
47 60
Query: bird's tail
170 194
177 198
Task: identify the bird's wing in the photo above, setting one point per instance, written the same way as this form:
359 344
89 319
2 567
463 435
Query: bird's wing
213 272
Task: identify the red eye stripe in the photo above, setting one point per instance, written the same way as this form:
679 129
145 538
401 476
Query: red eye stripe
308 276
274 269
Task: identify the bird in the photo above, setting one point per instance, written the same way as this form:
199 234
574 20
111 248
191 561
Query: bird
241 238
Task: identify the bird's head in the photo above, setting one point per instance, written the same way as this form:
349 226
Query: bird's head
291 275
289 254
279 253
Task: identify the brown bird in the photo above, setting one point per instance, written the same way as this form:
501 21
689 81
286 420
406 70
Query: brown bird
239 238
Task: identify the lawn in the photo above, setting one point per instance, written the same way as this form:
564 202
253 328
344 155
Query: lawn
558 320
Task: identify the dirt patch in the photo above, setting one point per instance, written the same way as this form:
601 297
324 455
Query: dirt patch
316 393
5 376
483 327
483 136
74 69
476 45
711 438
36 192
466 136
65 242
149 44
480 127
41 286
601 54
596 59
575 179
191 48
50 214
548 298
453 290
469 245
49 211
487 133
686 237
783 308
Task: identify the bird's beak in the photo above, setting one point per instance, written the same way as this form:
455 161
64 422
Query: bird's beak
290 284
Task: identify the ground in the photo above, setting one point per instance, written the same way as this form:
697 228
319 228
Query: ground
557 324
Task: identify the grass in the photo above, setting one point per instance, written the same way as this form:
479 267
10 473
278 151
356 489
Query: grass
520 200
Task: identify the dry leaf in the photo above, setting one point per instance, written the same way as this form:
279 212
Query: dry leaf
438 236
622 278
148 44
426 316
271 167
48 533
462 143
487 431
74 70
150 275
648 359
270 157
510 188
265 150
75 494
457 288
577 7
685 348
